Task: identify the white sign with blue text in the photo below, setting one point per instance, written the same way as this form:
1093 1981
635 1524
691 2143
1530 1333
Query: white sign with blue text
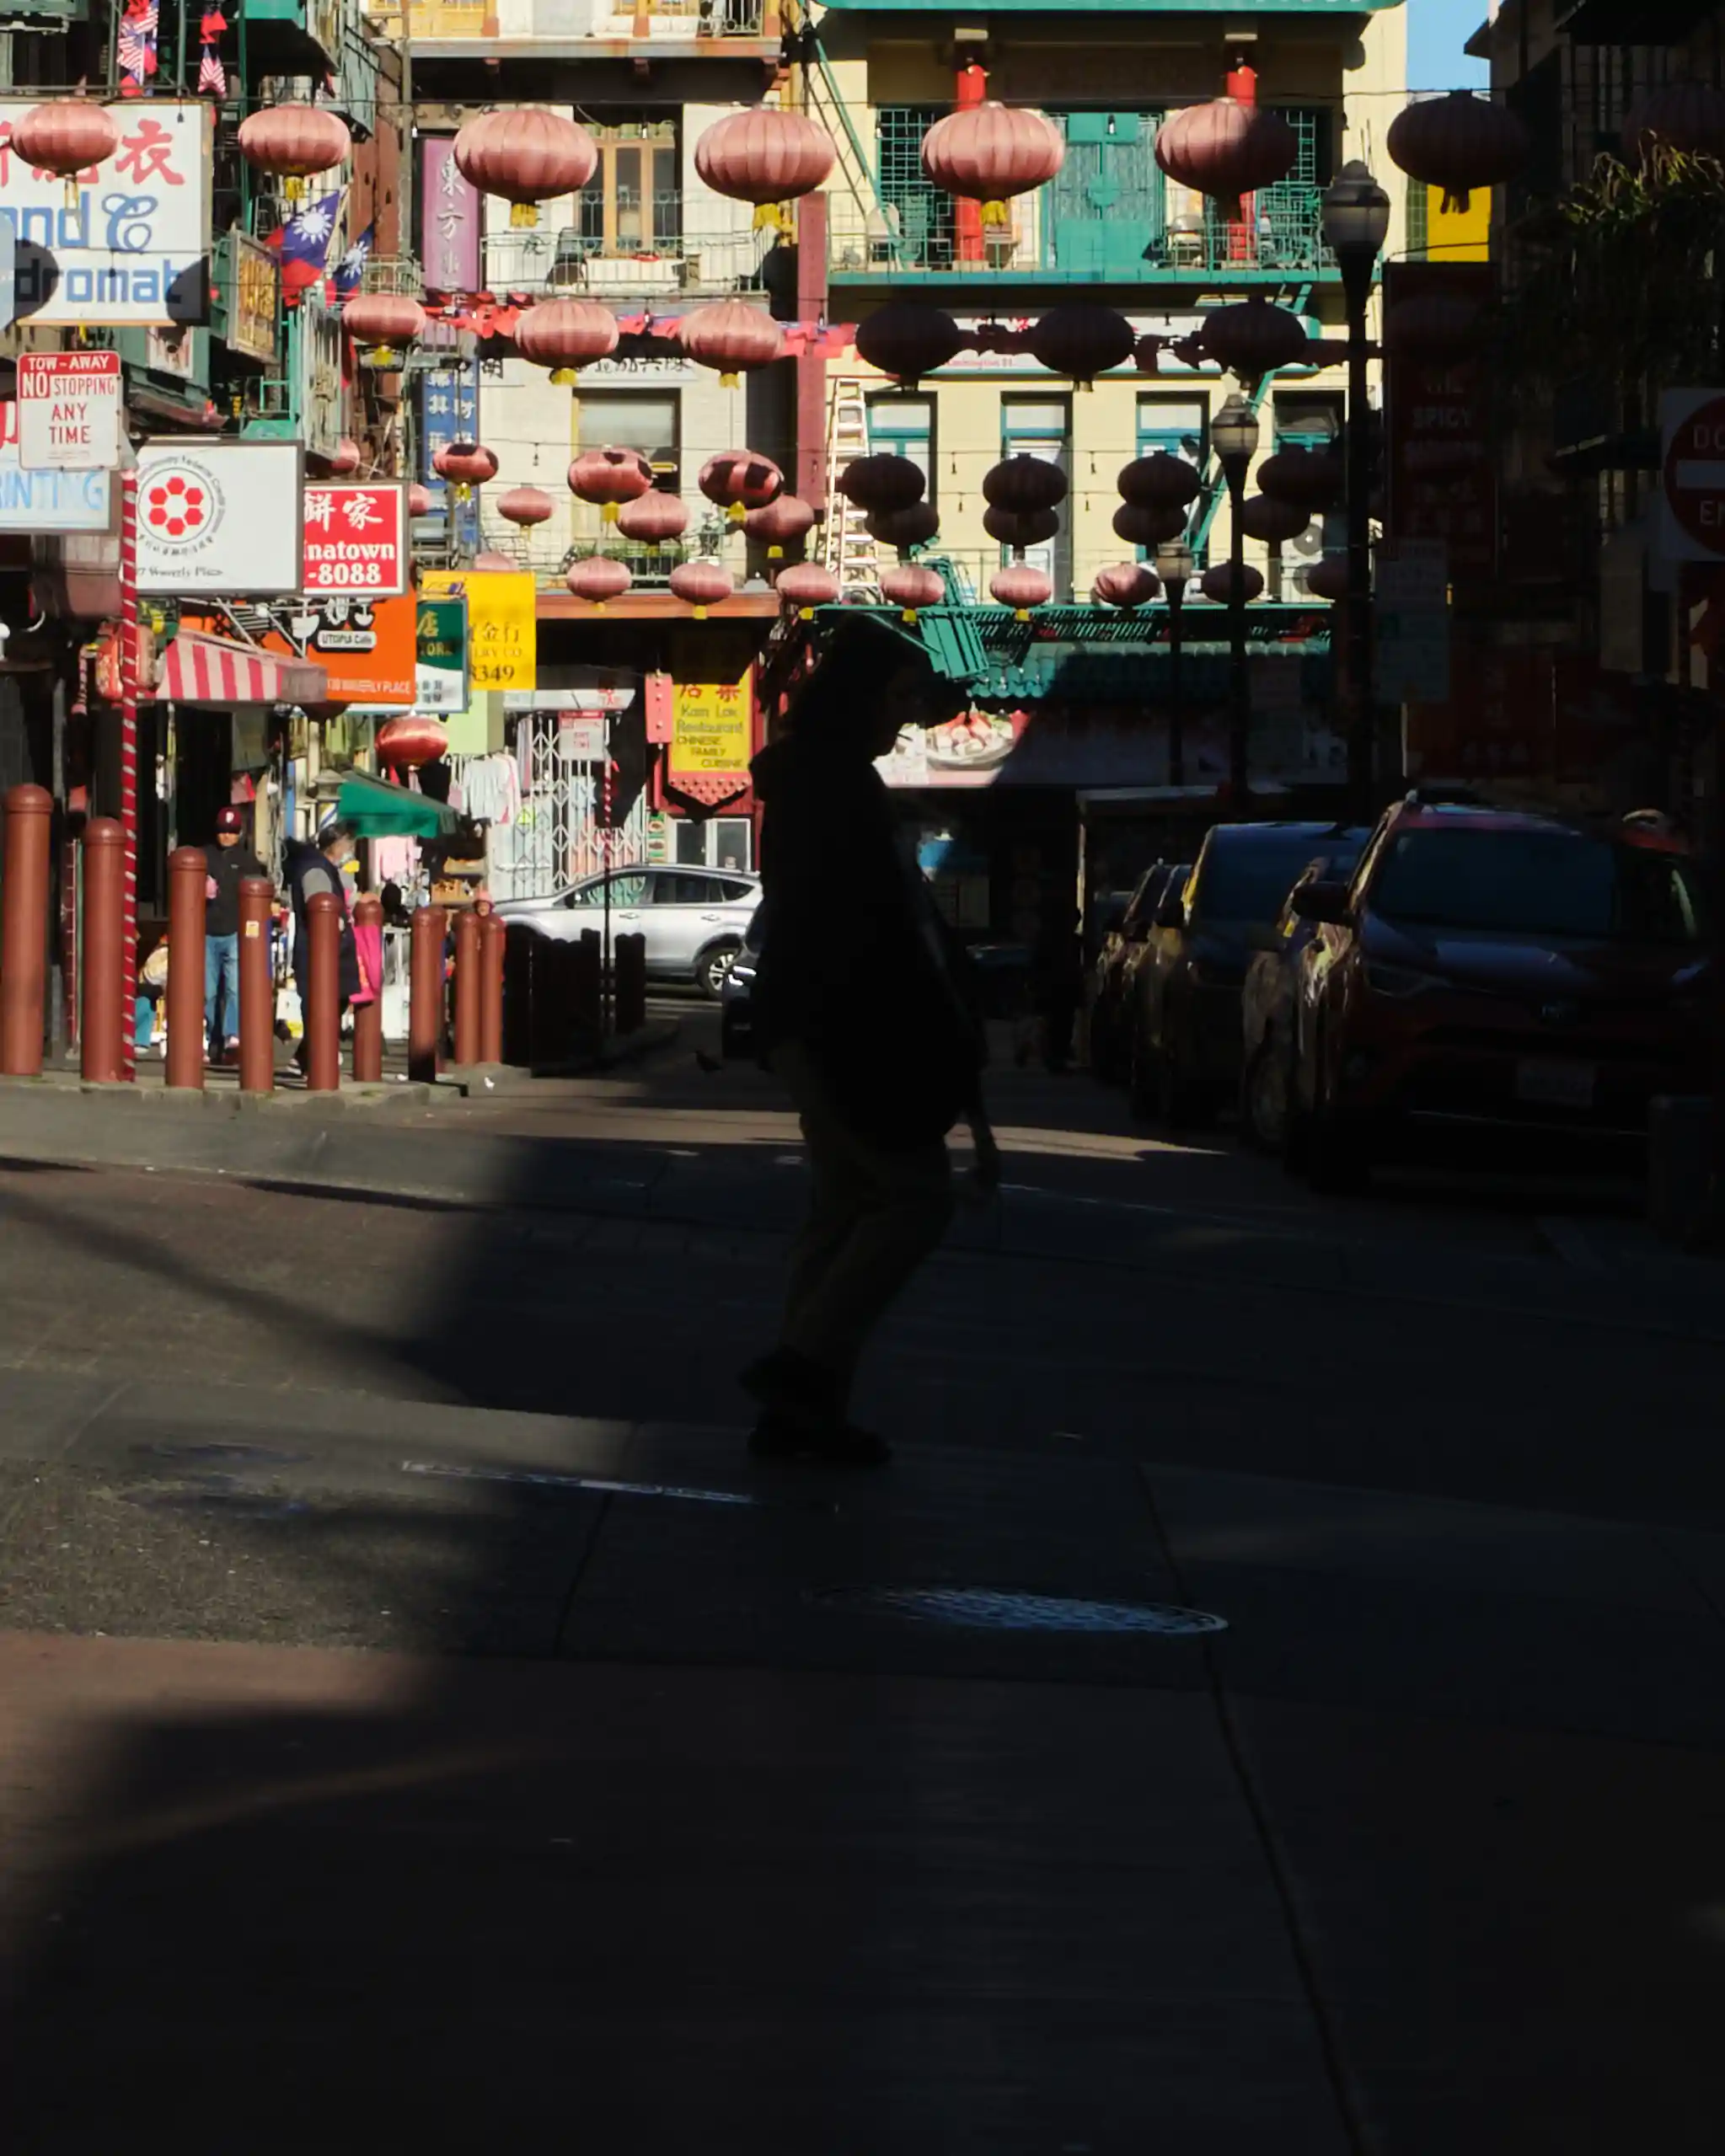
46 502
134 246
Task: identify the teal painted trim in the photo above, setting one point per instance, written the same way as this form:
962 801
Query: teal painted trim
1214 486
987 284
1291 8
866 163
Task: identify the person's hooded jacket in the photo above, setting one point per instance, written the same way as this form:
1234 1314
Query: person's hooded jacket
310 871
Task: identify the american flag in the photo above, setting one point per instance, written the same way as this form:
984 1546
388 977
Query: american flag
138 43
212 76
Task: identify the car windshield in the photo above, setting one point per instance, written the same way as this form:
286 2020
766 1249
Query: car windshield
1249 878
1553 883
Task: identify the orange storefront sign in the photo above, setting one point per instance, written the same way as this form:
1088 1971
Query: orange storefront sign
366 647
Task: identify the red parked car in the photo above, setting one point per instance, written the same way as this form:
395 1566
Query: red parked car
1491 967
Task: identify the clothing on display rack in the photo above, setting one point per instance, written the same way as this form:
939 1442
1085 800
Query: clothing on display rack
490 789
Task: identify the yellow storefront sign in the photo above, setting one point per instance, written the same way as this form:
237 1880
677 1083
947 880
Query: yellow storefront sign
251 327
502 644
710 728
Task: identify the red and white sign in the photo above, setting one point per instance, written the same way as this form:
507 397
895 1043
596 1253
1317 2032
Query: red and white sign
1692 427
355 539
68 411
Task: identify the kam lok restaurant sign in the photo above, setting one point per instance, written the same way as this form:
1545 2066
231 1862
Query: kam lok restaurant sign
134 247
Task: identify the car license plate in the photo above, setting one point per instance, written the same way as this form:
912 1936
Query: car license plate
1555 1084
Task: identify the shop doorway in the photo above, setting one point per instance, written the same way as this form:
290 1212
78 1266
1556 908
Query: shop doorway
713 842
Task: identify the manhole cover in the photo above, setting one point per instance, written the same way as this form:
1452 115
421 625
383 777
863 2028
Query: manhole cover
990 1609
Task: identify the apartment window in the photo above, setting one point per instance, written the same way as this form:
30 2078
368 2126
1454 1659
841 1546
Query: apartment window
905 427
1042 426
633 418
632 205
1173 426
925 217
1305 420
1311 421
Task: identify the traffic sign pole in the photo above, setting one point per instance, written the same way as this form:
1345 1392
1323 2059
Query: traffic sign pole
128 761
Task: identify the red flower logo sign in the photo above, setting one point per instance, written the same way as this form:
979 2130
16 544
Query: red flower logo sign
178 506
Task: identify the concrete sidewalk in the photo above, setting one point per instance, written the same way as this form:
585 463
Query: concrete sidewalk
641 1814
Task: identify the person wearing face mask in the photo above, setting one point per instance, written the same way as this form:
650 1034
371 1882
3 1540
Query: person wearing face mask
865 1011
312 869
227 858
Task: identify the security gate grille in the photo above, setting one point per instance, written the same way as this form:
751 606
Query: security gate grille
558 840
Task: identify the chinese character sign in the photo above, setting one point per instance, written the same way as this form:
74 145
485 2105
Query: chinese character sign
449 214
355 538
1442 481
135 247
501 623
449 411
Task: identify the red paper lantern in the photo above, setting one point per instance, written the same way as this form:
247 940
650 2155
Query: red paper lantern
1271 519
653 518
344 458
1140 527
1226 148
1020 588
1126 585
295 141
492 563
805 585
882 482
907 339
66 137
910 587
1024 483
988 153
466 462
912 526
701 585
731 336
779 524
526 506
1433 326
1251 337
763 154
526 155
1327 577
566 332
1218 583
406 743
1082 340
1458 142
420 500
1311 478
383 318
597 578
609 476
1687 116
736 481
1159 482
1019 528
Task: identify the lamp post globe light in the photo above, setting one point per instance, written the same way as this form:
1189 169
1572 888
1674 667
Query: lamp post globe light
1356 221
1174 565
1233 435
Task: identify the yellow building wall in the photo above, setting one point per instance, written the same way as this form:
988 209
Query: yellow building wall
1458 235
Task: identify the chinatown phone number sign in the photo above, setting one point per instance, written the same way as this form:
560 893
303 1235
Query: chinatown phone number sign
355 539
1692 432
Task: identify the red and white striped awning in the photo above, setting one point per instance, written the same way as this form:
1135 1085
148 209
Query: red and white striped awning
207 670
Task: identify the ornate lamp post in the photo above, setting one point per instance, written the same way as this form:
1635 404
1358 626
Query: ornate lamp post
1174 565
1233 434
1356 223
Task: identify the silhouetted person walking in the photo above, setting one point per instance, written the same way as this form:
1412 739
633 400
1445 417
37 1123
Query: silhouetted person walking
862 1010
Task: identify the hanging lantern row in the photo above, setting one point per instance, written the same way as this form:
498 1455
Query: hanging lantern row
1019 528
1227 148
1081 341
528 156
1458 142
409 743
881 483
295 141
912 526
420 500
1020 588
1310 479
526 507
1126 585
608 477
1024 483
701 585
344 458
597 578
566 332
653 519
66 137
737 480
1139 526
1327 577
778 524
1159 482
1252 339
1217 583
806 586
491 563
909 587
465 465
990 152
767 156
1272 520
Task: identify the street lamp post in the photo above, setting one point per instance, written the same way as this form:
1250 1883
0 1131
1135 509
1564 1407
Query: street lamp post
1234 432
1174 566
1356 223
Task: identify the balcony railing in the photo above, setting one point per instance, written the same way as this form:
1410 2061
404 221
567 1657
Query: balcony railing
1284 233
563 21
664 262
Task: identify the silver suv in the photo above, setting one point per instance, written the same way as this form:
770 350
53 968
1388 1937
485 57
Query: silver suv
695 919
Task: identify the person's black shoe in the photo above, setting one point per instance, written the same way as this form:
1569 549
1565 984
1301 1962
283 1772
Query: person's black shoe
830 1444
787 1381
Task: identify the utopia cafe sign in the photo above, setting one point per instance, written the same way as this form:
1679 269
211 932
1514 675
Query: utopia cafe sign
127 242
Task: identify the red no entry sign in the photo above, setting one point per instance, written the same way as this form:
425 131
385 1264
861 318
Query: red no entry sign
1695 475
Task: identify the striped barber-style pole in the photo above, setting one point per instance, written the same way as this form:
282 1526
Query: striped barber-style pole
128 757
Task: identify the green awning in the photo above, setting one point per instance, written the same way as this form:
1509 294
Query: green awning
377 808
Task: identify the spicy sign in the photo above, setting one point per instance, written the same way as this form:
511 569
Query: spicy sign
1443 481
355 538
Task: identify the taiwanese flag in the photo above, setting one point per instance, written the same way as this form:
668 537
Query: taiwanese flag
302 245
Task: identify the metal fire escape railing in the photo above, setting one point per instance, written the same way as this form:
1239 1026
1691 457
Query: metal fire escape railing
825 104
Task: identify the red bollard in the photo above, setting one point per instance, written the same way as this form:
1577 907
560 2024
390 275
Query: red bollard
109 997
23 931
493 936
368 1018
188 872
257 986
323 1021
425 1011
467 988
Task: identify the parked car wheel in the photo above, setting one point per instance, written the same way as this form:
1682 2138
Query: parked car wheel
711 968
